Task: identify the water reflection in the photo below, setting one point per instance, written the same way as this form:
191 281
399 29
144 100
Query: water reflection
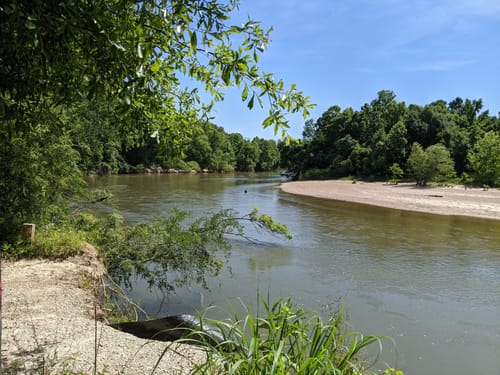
273 257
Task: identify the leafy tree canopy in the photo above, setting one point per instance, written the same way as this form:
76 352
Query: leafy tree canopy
140 52
174 250
485 159
367 143
434 163
89 76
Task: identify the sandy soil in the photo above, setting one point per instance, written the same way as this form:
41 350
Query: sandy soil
455 200
48 318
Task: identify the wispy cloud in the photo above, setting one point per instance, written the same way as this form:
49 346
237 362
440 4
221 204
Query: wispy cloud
439 66
402 22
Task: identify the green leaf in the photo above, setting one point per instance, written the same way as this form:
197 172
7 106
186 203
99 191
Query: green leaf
244 94
226 75
126 99
155 67
29 24
194 41
250 102
255 56
268 121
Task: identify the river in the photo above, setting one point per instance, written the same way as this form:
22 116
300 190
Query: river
430 282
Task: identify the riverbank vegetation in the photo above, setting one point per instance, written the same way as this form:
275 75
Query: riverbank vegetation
456 142
179 250
285 338
168 252
209 149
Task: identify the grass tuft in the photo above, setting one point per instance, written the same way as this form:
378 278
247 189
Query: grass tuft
50 243
287 339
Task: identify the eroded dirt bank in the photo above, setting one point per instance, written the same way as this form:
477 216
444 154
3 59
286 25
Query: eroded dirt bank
48 318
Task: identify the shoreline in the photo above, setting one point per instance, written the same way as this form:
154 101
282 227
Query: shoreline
453 201
51 318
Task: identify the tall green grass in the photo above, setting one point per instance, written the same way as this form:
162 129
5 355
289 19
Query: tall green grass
286 339
50 243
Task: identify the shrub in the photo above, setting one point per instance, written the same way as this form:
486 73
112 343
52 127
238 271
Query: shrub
193 166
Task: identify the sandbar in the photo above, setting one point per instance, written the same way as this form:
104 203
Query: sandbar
455 200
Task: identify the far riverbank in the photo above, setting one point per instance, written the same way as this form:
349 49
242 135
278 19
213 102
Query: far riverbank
456 200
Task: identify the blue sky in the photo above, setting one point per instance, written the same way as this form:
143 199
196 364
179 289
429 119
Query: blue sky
344 51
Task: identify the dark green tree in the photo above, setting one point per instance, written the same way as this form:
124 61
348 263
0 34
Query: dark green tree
269 156
416 127
200 150
223 158
248 156
366 143
38 172
397 143
292 156
436 116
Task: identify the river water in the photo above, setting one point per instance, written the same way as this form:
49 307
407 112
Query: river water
430 282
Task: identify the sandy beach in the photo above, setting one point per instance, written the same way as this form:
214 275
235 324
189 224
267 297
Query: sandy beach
456 200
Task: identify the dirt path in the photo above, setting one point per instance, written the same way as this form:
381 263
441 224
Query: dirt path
48 320
455 200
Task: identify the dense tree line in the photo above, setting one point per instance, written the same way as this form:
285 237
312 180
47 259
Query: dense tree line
102 147
388 139
209 148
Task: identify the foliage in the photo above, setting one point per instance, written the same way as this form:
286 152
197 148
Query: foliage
365 143
216 150
269 156
38 171
83 82
485 159
139 52
267 223
170 251
434 163
285 339
317 174
393 371
193 166
293 156
396 172
50 243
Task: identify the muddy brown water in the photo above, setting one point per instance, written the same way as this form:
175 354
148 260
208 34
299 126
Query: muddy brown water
430 282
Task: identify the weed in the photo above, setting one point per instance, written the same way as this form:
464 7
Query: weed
50 243
286 340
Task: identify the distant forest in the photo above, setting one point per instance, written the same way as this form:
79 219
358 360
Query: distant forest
386 139
209 148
